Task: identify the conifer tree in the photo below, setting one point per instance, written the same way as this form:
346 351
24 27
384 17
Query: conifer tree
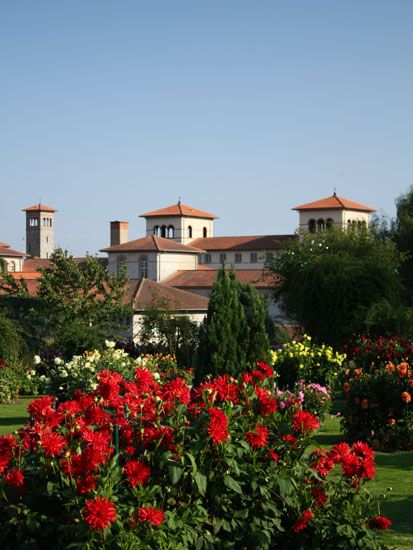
256 316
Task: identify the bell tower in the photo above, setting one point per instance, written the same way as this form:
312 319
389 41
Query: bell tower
40 221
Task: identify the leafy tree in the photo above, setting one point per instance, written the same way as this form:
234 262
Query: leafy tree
81 304
11 343
224 330
164 330
337 284
403 237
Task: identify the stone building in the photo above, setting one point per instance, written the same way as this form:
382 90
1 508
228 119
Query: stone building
40 230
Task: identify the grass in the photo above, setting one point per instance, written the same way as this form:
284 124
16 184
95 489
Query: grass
395 471
13 415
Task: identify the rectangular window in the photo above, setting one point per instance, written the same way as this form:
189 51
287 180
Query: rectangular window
207 258
238 258
253 257
222 258
268 256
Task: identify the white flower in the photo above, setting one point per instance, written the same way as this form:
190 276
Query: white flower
109 344
43 377
156 375
64 373
93 385
58 361
33 372
37 360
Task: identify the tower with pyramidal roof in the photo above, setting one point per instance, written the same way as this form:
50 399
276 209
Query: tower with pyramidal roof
40 220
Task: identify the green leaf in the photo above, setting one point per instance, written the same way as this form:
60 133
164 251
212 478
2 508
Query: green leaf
175 473
232 484
201 482
49 487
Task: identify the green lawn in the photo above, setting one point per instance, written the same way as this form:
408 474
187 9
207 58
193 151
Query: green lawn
394 470
14 415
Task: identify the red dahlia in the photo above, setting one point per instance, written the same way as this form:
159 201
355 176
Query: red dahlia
303 521
151 514
52 443
137 472
99 513
258 438
305 422
218 425
380 522
15 478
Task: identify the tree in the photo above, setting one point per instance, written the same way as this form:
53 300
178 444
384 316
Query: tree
256 316
403 237
224 330
337 284
164 329
81 304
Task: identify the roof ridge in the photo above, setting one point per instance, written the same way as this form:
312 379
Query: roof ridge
339 200
139 289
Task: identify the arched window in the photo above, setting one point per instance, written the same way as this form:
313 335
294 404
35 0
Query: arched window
189 231
50 222
329 223
205 232
320 224
120 263
143 267
156 230
12 267
312 226
163 231
171 232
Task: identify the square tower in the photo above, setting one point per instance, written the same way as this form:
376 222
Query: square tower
40 221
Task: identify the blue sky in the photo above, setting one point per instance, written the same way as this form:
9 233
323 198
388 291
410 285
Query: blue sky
243 108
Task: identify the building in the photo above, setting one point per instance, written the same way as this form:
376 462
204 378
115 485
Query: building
179 255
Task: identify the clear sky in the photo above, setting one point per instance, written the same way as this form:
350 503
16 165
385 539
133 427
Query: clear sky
111 108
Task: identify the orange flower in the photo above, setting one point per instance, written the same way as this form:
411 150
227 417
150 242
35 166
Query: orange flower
390 367
365 404
402 370
392 421
406 397
358 373
346 387
411 383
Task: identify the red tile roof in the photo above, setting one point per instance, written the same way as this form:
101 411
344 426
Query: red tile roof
37 207
5 250
334 203
178 210
204 278
254 242
152 243
147 291
32 264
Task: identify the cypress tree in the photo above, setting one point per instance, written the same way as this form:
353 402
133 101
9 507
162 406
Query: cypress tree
255 307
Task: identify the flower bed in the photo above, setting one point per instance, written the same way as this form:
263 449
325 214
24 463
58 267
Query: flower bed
304 360
140 464
378 393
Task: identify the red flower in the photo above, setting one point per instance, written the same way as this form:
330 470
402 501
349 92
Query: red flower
151 514
15 478
218 425
7 442
266 368
137 472
273 455
267 403
85 485
99 513
258 438
288 438
319 496
41 409
339 451
52 443
303 521
305 422
380 522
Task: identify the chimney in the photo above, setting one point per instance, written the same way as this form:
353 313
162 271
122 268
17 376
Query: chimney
118 232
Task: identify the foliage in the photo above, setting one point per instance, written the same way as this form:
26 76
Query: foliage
62 378
11 344
221 466
224 332
304 360
80 304
315 398
368 353
378 398
9 382
338 284
255 308
403 237
163 330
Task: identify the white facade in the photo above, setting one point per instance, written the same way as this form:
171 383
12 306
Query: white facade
151 265
181 229
316 220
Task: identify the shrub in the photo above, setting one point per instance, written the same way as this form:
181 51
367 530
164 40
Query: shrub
378 405
146 464
9 382
62 378
11 343
304 360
